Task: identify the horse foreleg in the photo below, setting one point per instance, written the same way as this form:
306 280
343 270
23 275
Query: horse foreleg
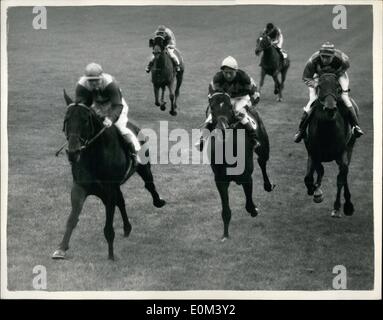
108 229
348 207
78 196
277 86
309 178
262 79
162 103
156 95
267 185
226 212
146 174
173 108
120 201
250 206
318 194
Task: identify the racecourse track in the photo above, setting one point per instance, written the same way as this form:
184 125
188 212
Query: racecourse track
292 245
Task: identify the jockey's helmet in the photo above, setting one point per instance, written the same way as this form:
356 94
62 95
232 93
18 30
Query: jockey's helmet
229 62
161 28
327 49
93 71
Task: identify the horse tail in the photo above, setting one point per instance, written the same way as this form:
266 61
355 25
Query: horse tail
179 78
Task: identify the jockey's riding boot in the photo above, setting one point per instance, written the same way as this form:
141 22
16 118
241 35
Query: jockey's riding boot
252 135
178 68
200 144
149 67
302 128
354 122
130 147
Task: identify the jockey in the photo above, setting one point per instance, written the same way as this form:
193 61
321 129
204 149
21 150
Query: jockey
327 60
170 45
276 37
243 92
100 91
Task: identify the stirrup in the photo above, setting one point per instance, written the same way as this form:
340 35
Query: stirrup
357 131
200 144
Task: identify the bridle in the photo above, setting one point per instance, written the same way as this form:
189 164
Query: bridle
84 142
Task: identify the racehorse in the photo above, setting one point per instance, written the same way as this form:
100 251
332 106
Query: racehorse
329 138
272 64
223 119
164 75
100 165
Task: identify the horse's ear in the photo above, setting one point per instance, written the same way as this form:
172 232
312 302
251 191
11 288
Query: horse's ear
68 100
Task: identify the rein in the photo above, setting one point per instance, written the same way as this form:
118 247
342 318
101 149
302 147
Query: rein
87 142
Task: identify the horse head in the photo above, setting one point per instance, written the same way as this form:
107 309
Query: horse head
263 42
158 45
221 110
328 91
78 127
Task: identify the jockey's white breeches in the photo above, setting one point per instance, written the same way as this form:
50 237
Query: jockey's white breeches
170 49
278 42
239 107
344 82
123 129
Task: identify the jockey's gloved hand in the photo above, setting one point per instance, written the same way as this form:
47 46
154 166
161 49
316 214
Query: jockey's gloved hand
312 83
255 98
107 122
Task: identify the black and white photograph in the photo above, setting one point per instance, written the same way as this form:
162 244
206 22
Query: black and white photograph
191 149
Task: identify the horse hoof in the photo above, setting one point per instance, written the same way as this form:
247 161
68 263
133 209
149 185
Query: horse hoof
224 238
252 210
279 99
58 254
159 203
162 107
276 91
269 187
348 209
157 104
335 214
173 112
318 198
111 258
127 231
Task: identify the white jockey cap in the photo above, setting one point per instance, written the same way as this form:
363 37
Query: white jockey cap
229 62
93 71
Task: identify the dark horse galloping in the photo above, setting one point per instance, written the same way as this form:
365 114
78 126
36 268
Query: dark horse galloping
99 168
223 119
272 64
329 138
164 75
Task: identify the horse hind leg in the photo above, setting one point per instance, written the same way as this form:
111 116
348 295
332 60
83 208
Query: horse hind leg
250 205
145 173
78 196
120 201
341 180
277 87
267 185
